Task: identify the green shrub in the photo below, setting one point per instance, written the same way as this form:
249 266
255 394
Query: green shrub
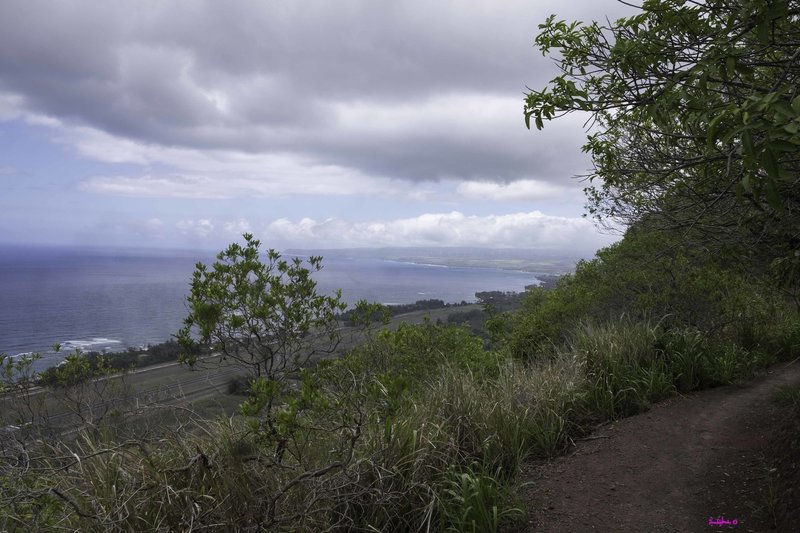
475 502
403 359
686 351
625 366
653 275
727 364
421 428
781 335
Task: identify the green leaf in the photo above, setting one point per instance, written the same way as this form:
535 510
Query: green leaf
746 182
730 65
773 197
712 129
785 110
747 144
770 165
796 104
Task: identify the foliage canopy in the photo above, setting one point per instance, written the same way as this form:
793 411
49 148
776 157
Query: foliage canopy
693 117
266 315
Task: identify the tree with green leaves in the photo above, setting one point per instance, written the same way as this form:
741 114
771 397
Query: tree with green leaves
264 313
693 118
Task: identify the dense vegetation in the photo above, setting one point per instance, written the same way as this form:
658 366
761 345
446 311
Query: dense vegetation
695 135
421 426
400 309
119 362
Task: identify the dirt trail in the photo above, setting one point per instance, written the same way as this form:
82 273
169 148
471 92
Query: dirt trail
670 469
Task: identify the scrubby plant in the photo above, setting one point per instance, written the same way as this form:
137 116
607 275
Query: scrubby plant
418 428
624 365
263 313
403 359
649 275
475 502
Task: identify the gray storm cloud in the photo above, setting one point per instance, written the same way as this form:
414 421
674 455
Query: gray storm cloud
413 90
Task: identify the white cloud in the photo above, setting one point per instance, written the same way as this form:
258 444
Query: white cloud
237 226
321 181
522 190
214 173
523 230
101 146
394 104
457 135
154 223
364 148
39 119
10 106
364 145
199 228
518 230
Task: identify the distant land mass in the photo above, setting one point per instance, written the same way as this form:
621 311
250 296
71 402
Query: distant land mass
553 262
111 298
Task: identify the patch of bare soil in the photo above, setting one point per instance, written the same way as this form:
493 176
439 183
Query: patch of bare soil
783 454
713 460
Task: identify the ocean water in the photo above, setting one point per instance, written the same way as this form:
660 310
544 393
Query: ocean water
113 300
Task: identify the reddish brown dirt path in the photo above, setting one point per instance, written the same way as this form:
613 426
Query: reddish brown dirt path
670 469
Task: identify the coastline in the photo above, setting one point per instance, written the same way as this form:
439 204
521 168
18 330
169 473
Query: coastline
109 303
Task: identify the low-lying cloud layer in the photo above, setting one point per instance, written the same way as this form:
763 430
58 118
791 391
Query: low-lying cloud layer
521 230
516 230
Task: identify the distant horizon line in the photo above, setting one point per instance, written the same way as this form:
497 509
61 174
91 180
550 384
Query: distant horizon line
289 249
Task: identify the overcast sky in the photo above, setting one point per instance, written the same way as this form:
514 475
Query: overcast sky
308 123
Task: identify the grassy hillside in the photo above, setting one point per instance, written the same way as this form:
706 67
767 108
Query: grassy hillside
421 425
